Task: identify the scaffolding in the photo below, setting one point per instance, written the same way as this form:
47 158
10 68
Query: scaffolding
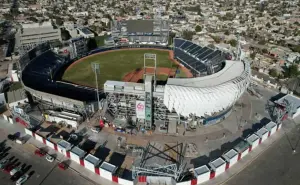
161 160
279 111
121 105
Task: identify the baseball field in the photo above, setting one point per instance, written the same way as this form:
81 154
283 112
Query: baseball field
123 65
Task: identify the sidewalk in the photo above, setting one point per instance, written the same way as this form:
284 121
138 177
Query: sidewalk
247 160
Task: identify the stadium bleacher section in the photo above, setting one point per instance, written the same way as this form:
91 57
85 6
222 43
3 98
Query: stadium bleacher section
39 74
198 59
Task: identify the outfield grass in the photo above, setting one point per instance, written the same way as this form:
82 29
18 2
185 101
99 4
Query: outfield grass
114 65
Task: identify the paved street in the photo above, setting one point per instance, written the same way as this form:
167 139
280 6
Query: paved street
277 166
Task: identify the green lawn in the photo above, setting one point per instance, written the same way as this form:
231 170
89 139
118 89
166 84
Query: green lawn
114 65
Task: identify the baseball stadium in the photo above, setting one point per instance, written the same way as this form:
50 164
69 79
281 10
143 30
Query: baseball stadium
185 83
140 81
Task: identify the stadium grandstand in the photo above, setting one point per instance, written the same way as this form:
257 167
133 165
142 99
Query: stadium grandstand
140 32
40 68
198 59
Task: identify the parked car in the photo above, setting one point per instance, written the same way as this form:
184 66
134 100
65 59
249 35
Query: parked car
15 170
22 179
3 163
9 167
39 152
2 155
95 129
16 176
49 158
20 141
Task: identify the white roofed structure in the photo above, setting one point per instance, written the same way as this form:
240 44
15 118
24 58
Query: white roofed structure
210 94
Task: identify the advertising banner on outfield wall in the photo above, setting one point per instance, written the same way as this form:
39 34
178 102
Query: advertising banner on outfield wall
140 109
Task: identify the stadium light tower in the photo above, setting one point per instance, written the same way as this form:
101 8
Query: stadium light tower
96 69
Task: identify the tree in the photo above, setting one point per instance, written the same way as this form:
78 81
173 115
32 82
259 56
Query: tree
198 28
33 19
211 46
59 21
273 72
264 50
226 32
296 48
233 42
171 37
292 71
252 55
268 25
262 42
216 39
188 35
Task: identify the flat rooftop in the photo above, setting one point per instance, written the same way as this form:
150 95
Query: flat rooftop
64 144
108 167
230 154
92 159
270 125
76 150
261 132
231 70
201 170
252 138
241 146
217 163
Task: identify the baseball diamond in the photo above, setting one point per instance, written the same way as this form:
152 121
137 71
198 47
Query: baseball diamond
124 64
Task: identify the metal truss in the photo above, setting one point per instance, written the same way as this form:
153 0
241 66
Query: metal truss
174 168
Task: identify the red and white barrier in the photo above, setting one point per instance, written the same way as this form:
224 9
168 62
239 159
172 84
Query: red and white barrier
184 183
271 127
159 180
124 181
76 154
107 170
218 167
29 132
142 178
50 144
253 140
262 134
64 147
202 174
90 162
39 138
231 157
242 148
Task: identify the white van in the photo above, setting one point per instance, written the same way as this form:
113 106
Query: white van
20 141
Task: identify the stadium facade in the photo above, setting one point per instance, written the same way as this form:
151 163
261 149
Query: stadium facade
207 97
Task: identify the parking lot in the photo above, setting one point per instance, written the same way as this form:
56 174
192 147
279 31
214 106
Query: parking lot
41 171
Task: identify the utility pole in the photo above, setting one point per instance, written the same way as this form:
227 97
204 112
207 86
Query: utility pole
96 69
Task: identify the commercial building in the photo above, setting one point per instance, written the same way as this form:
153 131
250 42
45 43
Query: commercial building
29 35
